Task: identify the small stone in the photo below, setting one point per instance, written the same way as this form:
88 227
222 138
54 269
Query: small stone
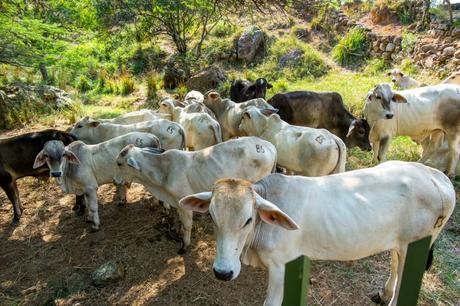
107 273
428 47
390 47
449 51
457 54
382 47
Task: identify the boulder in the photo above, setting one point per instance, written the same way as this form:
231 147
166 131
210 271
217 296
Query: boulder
208 78
449 51
457 54
290 58
430 61
250 43
174 74
382 46
107 273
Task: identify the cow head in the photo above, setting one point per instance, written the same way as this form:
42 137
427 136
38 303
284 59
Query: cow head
130 162
254 121
396 76
235 209
378 103
257 90
54 154
85 129
166 106
358 135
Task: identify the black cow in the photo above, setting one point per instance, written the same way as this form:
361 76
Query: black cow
323 110
17 156
243 90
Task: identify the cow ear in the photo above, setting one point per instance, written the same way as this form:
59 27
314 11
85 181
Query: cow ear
94 123
398 98
133 163
40 159
268 111
271 214
351 128
401 74
247 114
198 202
214 95
71 157
269 86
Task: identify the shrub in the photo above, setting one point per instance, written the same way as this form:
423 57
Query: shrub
153 85
181 92
83 84
223 29
352 48
126 85
408 66
408 41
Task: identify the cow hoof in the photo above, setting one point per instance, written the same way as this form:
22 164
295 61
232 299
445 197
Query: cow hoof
16 218
182 251
377 299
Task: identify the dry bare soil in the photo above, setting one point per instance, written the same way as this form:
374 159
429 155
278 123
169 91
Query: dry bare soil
48 257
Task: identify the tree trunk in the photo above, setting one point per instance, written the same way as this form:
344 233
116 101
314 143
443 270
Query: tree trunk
43 72
449 8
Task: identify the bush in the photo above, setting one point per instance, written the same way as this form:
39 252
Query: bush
154 81
223 29
181 92
408 41
83 84
352 48
408 66
126 85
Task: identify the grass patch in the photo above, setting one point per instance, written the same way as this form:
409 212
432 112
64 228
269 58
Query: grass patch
352 48
376 66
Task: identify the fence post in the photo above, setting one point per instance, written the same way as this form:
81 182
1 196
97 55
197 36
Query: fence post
296 280
414 267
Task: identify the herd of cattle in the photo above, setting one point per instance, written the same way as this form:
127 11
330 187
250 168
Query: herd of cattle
220 155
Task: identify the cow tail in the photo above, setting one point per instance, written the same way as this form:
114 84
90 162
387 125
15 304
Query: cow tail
429 261
217 132
340 166
182 134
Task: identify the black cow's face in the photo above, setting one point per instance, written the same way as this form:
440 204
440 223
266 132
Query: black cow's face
358 135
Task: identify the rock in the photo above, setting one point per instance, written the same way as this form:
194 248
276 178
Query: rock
387 55
76 282
302 34
398 49
449 51
429 61
456 33
290 58
390 47
375 44
397 40
107 273
394 56
457 54
208 78
428 47
250 43
382 47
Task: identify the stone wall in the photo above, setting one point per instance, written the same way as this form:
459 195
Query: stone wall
439 48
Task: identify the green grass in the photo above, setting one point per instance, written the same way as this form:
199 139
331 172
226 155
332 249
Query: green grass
352 48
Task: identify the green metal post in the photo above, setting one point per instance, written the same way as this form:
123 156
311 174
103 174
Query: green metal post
296 280
414 267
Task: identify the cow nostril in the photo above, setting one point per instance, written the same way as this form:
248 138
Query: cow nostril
223 275
56 174
389 116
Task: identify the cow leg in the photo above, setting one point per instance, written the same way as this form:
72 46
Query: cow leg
383 148
186 219
401 253
452 142
79 206
385 296
11 190
91 201
430 144
275 285
375 150
120 194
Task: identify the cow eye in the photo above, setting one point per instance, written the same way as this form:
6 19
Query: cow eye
45 155
378 97
248 222
119 164
79 126
361 132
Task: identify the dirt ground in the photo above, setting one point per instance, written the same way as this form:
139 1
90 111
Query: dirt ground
48 257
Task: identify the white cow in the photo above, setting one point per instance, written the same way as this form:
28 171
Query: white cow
193 97
454 78
82 168
439 158
301 150
403 81
343 217
201 130
174 174
229 113
136 117
171 134
417 113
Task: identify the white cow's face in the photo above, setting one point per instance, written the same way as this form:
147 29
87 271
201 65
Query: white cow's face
85 129
54 154
166 107
378 103
396 76
235 209
254 120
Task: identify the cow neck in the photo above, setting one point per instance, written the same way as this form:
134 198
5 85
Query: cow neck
219 108
274 124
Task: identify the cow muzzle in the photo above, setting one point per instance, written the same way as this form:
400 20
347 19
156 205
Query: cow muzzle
56 174
223 275
389 116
